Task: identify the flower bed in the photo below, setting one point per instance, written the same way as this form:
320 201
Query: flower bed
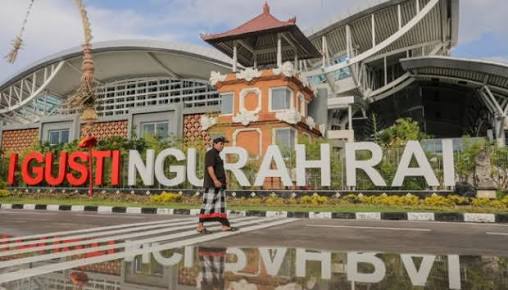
274 200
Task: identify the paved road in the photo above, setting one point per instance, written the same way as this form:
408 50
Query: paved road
338 235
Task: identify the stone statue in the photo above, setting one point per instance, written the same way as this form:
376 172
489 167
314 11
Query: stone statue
485 185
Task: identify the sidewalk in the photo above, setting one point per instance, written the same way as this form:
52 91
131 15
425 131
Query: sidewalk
372 216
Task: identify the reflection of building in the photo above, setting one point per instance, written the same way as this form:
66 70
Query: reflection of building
280 268
62 280
391 59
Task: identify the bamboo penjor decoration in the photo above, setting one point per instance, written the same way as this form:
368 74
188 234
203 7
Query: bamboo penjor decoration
17 43
84 99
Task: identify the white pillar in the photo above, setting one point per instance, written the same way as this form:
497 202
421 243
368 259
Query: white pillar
255 60
500 136
350 117
279 51
348 41
296 59
235 56
373 24
386 71
399 16
323 50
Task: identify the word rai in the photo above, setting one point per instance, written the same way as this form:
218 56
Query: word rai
37 168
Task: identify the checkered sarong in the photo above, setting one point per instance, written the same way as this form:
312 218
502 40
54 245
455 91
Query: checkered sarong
212 267
214 204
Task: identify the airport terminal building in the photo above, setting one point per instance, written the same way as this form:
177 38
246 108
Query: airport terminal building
392 59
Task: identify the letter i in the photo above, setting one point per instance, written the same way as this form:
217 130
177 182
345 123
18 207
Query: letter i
13 164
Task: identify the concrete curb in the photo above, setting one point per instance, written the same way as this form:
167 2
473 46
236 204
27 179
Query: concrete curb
365 216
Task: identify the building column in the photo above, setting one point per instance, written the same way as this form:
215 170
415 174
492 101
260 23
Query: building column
350 117
279 51
500 135
235 56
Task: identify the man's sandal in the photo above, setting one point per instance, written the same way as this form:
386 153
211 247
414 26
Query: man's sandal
230 229
203 231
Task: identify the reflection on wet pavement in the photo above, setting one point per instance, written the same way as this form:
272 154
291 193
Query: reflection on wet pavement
274 268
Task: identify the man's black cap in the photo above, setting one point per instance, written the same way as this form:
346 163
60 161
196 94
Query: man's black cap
220 139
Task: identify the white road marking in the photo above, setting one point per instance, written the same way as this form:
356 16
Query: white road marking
166 228
16 262
496 234
26 273
63 233
371 228
98 234
18 212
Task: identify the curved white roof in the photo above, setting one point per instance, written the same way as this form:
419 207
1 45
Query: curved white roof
115 60
433 27
462 72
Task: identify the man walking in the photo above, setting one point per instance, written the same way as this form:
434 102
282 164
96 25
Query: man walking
213 207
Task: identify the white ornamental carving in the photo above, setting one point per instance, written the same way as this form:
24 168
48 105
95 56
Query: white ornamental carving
315 91
287 69
207 122
289 116
216 77
245 117
248 74
322 129
310 122
304 80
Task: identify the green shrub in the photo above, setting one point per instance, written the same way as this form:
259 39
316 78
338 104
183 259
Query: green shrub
274 200
315 199
166 197
485 202
458 200
351 198
5 193
438 201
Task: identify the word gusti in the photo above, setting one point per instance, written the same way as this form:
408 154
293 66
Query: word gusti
73 167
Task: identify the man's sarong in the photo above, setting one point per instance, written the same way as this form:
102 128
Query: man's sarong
213 207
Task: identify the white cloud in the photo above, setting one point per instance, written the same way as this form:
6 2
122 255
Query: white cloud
55 25
480 17
500 59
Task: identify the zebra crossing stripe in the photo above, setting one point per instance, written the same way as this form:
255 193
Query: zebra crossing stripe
63 233
93 234
165 228
21 261
41 270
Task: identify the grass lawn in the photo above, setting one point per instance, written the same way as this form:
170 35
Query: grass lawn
235 205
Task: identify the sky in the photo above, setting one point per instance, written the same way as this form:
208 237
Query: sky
54 25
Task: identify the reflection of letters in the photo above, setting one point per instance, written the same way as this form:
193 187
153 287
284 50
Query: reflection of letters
241 260
355 258
418 277
273 266
302 256
454 272
170 261
133 246
188 260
